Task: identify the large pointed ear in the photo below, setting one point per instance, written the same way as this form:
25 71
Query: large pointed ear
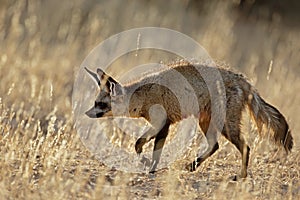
93 75
110 84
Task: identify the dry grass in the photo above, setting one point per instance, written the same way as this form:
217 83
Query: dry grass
42 46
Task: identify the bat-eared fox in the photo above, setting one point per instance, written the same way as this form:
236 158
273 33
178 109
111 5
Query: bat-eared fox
146 92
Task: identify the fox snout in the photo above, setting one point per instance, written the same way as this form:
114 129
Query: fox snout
94 113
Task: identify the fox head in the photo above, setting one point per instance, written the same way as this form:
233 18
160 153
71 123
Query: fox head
109 88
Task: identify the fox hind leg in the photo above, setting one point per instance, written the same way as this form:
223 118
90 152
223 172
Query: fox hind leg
232 133
234 138
196 163
245 152
213 146
232 127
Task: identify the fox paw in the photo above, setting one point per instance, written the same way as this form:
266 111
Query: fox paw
238 177
191 167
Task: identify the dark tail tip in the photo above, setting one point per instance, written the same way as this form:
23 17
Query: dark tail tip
284 135
288 141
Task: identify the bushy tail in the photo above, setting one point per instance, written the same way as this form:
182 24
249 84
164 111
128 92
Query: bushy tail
264 113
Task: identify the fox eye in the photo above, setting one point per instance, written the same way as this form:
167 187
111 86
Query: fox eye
101 105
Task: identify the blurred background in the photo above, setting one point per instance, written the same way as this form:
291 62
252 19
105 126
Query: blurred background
44 42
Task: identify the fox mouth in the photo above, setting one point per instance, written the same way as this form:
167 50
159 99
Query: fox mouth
94 113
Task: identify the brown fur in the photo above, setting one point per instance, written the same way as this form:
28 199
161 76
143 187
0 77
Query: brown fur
146 92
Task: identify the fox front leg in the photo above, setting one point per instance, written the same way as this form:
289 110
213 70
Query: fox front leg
146 137
158 146
158 118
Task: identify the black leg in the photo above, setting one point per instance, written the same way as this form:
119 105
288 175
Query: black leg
158 146
158 119
235 138
196 163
